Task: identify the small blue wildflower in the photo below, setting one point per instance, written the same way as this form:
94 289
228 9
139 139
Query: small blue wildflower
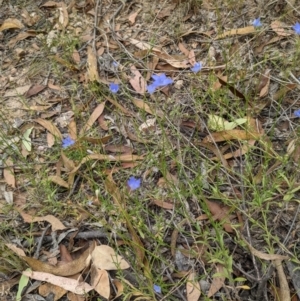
115 64
67 142
134 183
114 88
197 67
161 80
151 88
256 22
297 113
296 27
157 288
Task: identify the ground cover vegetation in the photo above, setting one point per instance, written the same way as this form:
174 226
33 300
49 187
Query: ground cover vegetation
149 150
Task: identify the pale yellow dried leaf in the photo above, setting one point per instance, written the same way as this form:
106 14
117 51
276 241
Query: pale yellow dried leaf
68 284
105 258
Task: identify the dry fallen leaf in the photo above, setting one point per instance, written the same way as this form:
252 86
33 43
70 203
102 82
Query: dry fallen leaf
265 84
95 115
238 31
21 36
143 45
133 16
63 18
137 81
9 174
49 288
16 249
217 282
66 269
92 71
48 125
231 135
142 105
100 282
55 223
120 288
111 158
284 292
11 23
220 213
68 284
280 28
183 49
35 89
59 181
162 204
193 291
105 258
263 255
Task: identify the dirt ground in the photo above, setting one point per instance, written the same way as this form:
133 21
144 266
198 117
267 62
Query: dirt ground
149 150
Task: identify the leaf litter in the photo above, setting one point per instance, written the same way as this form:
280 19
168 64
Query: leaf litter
185 146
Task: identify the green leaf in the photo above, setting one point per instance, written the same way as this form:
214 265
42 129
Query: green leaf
217 123
27 140
22 283
240 279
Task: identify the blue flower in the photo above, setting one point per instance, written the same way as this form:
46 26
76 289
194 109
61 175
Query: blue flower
114 88
197 67
157 288
151 88
296 27
162 80
256 22
159 81
134 183
67 142
297 113
115 64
